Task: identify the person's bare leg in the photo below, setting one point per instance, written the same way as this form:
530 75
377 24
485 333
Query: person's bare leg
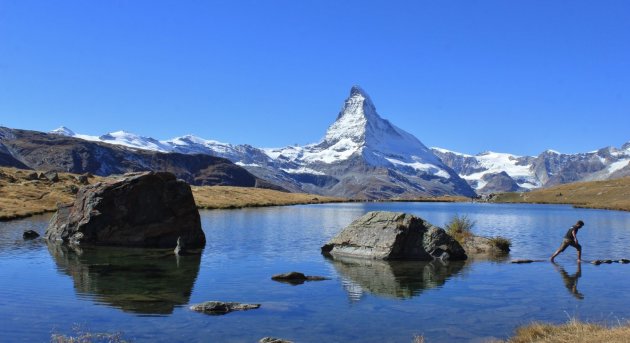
579 256
554 255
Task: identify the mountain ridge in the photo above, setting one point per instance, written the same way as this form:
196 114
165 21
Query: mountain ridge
363 155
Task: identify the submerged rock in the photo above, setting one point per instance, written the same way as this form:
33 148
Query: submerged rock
148 209
394 236
273 340
219 307
297 278
521 261
30 234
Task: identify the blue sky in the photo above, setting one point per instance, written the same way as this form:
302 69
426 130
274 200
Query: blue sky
470 76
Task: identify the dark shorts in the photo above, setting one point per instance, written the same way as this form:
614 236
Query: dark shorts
567 242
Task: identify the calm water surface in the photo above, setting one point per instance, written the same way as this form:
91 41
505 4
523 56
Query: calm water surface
145 294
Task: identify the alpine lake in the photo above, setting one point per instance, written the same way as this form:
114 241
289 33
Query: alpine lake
145 294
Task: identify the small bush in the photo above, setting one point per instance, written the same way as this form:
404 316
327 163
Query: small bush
501 243
460 228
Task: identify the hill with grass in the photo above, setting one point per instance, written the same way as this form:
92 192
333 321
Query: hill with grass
610 194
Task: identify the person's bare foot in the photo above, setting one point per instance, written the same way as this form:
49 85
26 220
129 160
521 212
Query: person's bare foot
551 259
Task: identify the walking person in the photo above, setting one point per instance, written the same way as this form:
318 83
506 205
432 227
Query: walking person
570 238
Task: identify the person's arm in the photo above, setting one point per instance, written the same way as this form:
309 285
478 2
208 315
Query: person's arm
574 232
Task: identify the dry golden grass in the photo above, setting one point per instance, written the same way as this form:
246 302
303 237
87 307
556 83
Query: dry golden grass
571 332
20 197
610 195
217 197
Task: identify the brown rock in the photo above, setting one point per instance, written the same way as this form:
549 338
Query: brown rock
143 209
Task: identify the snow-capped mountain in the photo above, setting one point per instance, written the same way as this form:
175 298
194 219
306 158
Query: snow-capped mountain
361 155
490 172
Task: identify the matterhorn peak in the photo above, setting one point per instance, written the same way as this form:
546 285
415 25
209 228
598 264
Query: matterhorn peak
354 118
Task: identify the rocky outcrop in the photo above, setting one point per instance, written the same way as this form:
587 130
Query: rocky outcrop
394 236
219 307
498 182
144 209
296 278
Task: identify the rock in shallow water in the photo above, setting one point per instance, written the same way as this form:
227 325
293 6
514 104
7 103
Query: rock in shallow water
219 307
30 234
297 278
148 209
394 236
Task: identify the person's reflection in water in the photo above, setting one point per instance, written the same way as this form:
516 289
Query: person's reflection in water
571 281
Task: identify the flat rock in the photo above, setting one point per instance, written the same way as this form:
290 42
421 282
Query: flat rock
219 307
150 209
394 236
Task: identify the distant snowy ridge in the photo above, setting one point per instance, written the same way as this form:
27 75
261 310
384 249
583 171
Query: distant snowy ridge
547 169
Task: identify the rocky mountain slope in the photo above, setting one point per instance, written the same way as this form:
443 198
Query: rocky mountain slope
54 152
361 156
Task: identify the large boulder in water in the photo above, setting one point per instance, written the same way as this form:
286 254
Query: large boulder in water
394 236
148 209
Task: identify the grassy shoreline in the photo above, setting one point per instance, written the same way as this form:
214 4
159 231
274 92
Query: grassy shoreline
23 195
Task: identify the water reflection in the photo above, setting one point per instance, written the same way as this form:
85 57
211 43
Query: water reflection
571 281
142 281
397 279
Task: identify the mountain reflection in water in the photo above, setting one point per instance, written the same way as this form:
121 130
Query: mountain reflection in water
142 281
397 279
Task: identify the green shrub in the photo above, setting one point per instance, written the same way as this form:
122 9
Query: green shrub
501 243
460 228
